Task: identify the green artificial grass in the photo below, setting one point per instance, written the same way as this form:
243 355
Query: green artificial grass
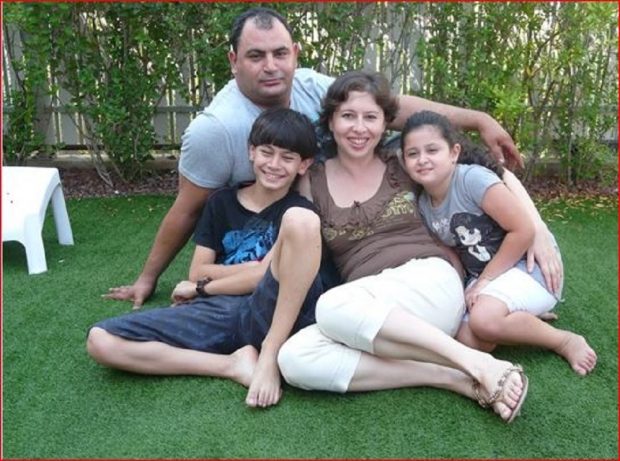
57 403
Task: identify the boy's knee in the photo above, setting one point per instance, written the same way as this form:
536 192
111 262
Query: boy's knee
99 345
301 223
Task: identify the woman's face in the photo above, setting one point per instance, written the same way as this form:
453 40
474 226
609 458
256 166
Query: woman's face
357 125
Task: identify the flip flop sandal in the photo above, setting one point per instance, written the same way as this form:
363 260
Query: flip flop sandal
499 390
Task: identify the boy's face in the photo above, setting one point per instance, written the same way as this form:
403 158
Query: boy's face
276 168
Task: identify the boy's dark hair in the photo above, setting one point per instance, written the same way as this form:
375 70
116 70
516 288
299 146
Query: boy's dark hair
262 17
471 153
373 83
285 128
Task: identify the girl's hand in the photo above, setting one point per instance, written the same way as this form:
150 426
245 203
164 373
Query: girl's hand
544 252
472 292
183 292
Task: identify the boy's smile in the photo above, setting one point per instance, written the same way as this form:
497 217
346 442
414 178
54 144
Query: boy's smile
276 168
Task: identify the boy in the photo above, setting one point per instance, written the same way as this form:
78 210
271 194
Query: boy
248 289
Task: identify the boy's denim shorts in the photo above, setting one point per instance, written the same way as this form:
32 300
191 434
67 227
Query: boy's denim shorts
218 324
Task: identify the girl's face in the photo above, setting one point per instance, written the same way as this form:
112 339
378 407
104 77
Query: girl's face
428 157
357 125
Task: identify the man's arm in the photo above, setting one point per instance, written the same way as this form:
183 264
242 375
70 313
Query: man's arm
543 250
494 136
174 231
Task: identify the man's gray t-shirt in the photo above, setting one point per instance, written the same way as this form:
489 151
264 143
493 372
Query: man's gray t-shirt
460 222
214 150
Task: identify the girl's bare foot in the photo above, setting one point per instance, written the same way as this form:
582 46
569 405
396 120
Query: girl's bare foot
576 350
548 316
244 362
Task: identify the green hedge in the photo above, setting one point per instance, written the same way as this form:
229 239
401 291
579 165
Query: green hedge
546 71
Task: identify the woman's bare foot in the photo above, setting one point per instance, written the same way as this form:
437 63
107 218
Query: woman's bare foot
244 363
576 350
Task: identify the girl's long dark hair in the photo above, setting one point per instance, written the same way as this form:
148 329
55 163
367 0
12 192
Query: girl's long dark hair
471 153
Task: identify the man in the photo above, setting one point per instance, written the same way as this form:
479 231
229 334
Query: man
263 61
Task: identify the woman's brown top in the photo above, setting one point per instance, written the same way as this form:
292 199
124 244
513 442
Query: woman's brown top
382 232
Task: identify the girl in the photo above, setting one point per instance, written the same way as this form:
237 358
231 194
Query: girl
467 206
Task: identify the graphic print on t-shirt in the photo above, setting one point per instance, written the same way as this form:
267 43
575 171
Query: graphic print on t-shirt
251 243
477 240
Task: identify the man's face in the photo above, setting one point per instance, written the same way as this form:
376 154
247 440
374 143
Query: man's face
265 63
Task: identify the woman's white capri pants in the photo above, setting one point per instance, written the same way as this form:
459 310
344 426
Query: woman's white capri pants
324 356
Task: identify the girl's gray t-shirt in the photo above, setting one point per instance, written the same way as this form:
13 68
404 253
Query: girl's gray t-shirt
461 223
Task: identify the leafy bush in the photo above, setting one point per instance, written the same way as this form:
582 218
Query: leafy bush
546 71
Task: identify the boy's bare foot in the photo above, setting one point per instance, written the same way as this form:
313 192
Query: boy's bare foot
578 352
244 364
265 388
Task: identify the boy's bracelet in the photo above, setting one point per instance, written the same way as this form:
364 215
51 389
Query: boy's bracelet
200 286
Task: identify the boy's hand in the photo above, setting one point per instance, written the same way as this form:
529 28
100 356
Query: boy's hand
265 388
183 292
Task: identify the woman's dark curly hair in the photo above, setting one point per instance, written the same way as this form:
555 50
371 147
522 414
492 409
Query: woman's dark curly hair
373 83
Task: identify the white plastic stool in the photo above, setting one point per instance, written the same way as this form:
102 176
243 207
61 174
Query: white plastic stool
26 193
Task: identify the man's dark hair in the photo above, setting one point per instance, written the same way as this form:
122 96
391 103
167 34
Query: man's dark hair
262 17
286 129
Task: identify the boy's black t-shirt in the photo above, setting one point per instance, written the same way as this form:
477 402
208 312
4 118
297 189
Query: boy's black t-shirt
239 235
236 234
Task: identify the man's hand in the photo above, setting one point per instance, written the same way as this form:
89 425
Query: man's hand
139 292
491 132
183 292
544 252
499 142
265 388
173 232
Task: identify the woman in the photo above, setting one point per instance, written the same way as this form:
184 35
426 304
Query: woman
391 324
